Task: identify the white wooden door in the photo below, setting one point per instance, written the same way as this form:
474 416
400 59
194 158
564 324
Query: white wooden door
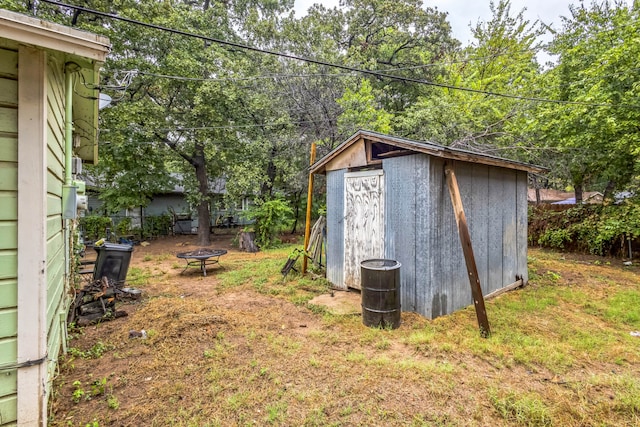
364 222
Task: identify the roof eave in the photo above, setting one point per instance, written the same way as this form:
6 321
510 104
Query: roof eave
426 148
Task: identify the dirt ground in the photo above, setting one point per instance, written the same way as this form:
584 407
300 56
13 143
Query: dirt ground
242 354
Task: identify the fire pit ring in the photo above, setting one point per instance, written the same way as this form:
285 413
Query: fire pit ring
202 257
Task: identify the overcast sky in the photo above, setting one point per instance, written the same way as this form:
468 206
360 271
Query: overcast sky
461 13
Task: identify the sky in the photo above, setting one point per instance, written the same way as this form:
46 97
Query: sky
462 13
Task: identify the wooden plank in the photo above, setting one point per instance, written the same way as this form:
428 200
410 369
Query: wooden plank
8 120
8 322
8 383
8 206
8 293
8 63
515 285
307 225
8 350
8 409
8 264
8 235
467 249
8 92
8 176
8 149
352 157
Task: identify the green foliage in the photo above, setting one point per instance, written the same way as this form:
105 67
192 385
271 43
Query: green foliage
597 229
123 227
593 144
95 227
360 111
271 218
156 226
78 392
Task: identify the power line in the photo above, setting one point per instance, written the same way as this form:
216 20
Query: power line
329 64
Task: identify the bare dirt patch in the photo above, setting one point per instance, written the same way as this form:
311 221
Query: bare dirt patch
242 347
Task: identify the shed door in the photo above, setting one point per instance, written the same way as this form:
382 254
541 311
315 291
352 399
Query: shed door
364 222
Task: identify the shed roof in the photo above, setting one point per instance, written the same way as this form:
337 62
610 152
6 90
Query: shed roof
360 147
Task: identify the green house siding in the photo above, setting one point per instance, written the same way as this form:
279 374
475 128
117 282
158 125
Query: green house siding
57 295
8 231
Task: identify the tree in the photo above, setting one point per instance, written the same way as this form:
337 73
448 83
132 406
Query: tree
501 59
598 134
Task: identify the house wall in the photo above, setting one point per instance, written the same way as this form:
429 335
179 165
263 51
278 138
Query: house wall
421 231
8 231
57 256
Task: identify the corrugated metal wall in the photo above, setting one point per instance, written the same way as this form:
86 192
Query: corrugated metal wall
422 232
335 228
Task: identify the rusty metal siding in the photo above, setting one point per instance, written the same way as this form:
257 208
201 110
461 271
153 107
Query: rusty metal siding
335 228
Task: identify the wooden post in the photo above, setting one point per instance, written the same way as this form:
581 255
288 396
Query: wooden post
467 249
307 225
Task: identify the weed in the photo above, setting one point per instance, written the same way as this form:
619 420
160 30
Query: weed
78 392
276 412
526 410
113 402
98 386
147 258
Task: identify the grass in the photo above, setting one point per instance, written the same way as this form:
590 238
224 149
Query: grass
560 353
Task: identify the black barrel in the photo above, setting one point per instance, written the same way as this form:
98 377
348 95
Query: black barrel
113 262
380 287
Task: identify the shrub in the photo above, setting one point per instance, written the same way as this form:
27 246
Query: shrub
597 229
271 218
95 227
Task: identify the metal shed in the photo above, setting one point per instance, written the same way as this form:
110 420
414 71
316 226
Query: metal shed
387 197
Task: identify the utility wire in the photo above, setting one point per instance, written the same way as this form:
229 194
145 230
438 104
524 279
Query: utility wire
332 65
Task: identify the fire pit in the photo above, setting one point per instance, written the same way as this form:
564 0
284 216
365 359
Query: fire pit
200 258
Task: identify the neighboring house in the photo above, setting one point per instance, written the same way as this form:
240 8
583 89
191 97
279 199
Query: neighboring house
387 198
174 202
558 197
43 71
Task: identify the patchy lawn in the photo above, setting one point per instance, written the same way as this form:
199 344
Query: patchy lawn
242 347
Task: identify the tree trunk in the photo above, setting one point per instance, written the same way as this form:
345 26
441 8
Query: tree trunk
204 214
608 191
267 187
578 191
296 201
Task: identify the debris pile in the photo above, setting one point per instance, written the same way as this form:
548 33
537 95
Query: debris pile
96 302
